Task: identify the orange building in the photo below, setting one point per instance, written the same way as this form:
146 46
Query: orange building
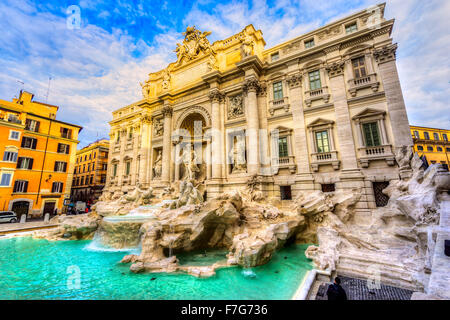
37 156
89 176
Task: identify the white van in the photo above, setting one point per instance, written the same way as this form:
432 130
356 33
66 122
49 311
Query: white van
8 216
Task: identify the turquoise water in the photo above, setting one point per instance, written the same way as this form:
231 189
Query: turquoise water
40 269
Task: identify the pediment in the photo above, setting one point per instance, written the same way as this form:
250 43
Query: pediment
369 112
281 129
320 122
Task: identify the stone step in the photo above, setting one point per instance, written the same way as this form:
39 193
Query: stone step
390 273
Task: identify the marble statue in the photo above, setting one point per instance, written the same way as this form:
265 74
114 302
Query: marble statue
157 166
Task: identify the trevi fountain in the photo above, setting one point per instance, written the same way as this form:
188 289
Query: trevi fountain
236 233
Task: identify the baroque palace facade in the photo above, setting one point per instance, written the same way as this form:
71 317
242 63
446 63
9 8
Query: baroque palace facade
37 156
323 111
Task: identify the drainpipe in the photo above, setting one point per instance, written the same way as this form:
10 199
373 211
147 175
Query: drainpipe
43 162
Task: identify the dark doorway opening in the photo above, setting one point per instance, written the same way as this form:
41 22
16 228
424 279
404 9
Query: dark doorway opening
21 208
381 199
285 193
329 187
49 207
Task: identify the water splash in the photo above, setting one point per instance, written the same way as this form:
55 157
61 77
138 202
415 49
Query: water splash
97 246
248 273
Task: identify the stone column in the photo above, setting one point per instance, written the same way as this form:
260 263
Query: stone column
120 166
216 135
166 159
385 57
145 150
135 165
343 122
250 87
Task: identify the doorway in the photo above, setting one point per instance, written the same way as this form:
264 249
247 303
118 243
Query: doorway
49 207
21 208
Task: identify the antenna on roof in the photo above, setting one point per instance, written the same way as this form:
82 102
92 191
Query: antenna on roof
48 89
22 83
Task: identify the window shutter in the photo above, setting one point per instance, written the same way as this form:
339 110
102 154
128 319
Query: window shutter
65 167
56 166
61 187
19 162
37 126
34 144
15 186
30 165
23 142
25 187
67 149
70 133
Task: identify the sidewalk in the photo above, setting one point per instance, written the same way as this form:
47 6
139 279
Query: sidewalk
6 228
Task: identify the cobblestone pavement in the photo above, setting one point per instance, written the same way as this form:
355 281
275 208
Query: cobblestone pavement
357 289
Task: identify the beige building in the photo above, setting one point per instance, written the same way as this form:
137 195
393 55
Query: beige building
323 111
89 175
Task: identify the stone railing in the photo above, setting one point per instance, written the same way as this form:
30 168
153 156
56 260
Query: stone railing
369 81
383 152
284 163
317 94
324 158
126 179
282 103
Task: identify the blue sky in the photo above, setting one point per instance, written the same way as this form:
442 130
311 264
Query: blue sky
97 68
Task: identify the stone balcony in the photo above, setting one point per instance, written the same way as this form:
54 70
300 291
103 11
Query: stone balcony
367 154
284 163
317 94
369 81
126 180
282 103
324 158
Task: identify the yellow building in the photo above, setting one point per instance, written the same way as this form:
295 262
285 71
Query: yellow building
37 155
433 143
89 176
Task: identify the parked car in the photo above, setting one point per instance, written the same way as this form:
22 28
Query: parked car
8 216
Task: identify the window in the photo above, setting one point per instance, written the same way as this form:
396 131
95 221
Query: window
114 169
103 178
82 181
277 90
84 168
127 168
90 156
85 157
20 186
283 147
359 67
314 80
285 193
14 135
436 136
89 167
63 148
60 166
6 179
351 28
91 179
14 119
95 154
309 43
57 187
275 56
444 137
430 148
29 143
104 166
10 156
416 134
420 148
32 125
66 133
117 137
25 163
371 134
447 149
130 133
328 187
439 149
93 166
322 141
426 135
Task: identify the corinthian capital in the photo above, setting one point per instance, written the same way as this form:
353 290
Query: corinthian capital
167 111
251 85
294 80
335 69
385 54
216 96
